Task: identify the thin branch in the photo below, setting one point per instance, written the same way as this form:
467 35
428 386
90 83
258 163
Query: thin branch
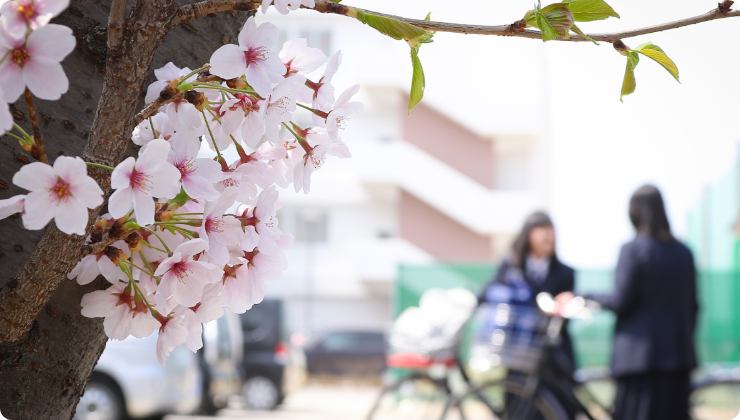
207 7
35 125
115 23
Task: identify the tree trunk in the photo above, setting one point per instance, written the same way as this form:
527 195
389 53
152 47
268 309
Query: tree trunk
47 348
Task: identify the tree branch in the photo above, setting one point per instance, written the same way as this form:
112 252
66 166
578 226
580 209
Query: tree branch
115 23
207 7
35 126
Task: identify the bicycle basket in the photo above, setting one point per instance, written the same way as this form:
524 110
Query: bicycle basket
508 335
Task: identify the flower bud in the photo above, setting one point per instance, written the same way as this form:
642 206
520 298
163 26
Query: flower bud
621 47
196 98
116 255
134 240
236 83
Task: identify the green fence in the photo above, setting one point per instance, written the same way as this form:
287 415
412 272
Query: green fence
718 337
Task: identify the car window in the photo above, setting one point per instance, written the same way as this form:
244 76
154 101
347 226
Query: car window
372 342
340 342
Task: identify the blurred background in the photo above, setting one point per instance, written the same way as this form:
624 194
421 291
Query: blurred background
433 199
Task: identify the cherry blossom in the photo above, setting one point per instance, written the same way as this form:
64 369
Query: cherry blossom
204 312
124 312
33 62
165 75
63 192
298 57
218 230
280 105
99 263
242 290
343 108
307 163
259 217
172 333
251 57
137 181
156 127
184 277
197 174
12 206
33 14
323 97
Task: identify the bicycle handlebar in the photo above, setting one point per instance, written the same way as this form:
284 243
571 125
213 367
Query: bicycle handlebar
577 308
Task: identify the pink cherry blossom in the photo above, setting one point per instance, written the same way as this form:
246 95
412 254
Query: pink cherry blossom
96 264
165 75
317 135
279 160
33 62
63 192
124 312
280 105
204 312
20 14
218 230
306 163
144 133
260 216
298 57
241 289
185 116
172 333
12 206
243 113
197 174
137 181
343 108
251 57
183 277
323 97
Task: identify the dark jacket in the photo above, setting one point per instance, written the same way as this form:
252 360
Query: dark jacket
655 302
560 278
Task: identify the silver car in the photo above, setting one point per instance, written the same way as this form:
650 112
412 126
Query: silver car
129 382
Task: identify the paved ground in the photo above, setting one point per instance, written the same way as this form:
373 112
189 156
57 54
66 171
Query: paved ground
315 401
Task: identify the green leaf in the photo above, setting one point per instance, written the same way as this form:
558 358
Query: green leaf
575 29
554 20
658 55
629 84
392 27
590 10
548 32
180 198
429 16
417 81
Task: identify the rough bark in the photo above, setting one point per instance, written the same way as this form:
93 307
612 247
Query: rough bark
47 349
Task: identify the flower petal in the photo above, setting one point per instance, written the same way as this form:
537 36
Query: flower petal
121 176
52 41
35 176
228 61
45 78
143 208
71 216
39 210
120 202
11 80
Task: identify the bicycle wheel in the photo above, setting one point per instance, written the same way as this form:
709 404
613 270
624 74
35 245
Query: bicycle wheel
506 399
416 397
716 400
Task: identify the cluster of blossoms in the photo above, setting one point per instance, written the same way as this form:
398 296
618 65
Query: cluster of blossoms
186 235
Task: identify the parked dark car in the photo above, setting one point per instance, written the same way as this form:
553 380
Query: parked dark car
360 353
272 367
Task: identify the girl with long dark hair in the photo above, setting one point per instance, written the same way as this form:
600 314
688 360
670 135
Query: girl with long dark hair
655 302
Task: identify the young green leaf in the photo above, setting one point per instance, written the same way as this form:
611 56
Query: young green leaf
554 20
180 198
590 10
392 27
417 81
656 53
629 84
577 30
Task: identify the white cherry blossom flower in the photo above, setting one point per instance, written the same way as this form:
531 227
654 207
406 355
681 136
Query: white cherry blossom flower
218 230
259 216
124 312
197 174
144 133
323 96
63 192
298 57
99 263
165 75
172 333
137 181
343 108
20 14
12 205
241 289
33 62
202 313
280 105
251 57
183 277
306 163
